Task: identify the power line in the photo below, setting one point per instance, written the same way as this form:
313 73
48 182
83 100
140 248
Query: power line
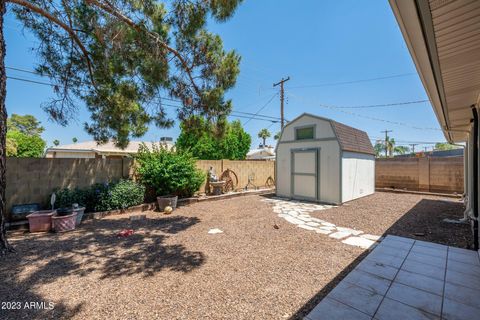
353 81
263 107
369 117
384 105
255 116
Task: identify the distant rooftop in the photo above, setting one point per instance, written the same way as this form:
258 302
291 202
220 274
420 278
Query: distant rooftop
108 147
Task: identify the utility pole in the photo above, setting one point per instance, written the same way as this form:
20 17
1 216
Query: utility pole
282 96
386 138
413 147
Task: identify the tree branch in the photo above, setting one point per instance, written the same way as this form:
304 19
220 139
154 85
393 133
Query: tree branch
109 8
65 27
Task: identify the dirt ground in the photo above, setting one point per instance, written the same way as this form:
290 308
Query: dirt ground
171 268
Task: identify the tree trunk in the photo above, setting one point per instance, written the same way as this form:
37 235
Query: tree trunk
4 245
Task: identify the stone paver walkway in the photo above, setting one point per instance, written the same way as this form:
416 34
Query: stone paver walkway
297 212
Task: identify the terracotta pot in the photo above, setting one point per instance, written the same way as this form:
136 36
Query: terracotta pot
41 221
167 201
64 223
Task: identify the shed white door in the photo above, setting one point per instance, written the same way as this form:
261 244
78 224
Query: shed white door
305 173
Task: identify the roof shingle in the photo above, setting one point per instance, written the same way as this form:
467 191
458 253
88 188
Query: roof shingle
351 139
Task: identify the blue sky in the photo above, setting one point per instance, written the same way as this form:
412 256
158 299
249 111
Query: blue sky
316 43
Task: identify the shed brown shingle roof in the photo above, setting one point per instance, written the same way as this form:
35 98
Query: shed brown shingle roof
351 139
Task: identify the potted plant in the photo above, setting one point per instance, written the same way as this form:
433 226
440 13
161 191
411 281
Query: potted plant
170 173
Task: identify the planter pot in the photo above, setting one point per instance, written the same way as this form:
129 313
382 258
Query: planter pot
62 223
167 201
41 221
79 211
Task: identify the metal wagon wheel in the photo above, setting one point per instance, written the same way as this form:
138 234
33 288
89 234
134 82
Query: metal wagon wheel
270 183
231 180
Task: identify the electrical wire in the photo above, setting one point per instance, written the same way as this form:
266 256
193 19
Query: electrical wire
263 107
367 117
331 84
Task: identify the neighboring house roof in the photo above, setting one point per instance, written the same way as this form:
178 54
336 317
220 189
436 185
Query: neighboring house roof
352 139
267 151
109 147
349 138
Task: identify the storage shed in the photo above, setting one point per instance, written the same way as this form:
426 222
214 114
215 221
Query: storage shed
322 160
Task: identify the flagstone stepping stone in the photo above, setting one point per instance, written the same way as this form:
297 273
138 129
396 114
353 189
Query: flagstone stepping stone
321 231
328 228
352 231
294 220
283 215
304 226
293 213
370 237
359 242
312 224
340 235
317 220
328 224
304 218
215 231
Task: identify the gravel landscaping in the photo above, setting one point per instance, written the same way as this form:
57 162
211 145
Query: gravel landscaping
259 267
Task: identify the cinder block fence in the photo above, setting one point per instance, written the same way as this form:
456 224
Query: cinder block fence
32 180
432 174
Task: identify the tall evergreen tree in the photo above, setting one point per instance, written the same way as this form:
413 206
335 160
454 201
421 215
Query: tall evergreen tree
121 57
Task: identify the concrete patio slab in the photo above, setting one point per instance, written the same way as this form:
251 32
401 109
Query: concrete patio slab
415 280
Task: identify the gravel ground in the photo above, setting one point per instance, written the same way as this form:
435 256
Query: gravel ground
171 268
408 215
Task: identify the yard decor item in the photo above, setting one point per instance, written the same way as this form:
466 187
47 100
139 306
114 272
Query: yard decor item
41 221
231 180
65 220
167 201
125 233
21 211
168 210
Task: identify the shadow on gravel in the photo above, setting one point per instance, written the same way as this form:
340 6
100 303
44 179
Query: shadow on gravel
425 221
94 247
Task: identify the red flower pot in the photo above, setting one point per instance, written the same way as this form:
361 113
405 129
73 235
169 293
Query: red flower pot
41 221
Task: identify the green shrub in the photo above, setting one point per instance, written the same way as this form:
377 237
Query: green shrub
102 196
120 195
168 172
66 197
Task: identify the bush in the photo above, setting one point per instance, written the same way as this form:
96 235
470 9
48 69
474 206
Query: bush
66 197
102 196
168 172
120 195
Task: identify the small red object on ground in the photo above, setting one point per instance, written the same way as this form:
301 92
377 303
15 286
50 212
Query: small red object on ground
125 233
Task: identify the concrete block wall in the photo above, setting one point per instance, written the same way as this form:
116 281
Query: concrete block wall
431 174
259 170
32 180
